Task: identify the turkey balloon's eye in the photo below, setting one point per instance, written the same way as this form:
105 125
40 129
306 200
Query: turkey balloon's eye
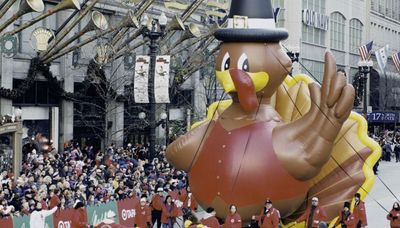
243 63
226 62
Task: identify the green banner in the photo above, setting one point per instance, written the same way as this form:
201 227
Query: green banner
49 221
96 214
23 222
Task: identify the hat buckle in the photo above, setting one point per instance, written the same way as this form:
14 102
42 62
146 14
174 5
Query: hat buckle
240 22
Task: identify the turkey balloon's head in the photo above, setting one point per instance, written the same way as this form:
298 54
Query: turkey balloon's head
251 63
252 70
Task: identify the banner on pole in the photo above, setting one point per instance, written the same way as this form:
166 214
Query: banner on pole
141 79
161 80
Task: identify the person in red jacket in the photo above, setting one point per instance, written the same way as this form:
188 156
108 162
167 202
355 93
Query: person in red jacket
143 214
233 219
359 211
394 216
269 216
346 218
54 199
157 205
315 216
210 220
169 213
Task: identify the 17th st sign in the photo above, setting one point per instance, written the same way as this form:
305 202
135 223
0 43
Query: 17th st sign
315 19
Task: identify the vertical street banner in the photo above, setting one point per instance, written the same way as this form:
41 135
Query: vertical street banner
96 214
70 218
161 79
141 79
127 212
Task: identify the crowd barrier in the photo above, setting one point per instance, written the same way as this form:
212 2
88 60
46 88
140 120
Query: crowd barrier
92 215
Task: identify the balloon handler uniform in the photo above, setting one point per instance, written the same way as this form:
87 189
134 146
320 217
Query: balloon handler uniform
280 137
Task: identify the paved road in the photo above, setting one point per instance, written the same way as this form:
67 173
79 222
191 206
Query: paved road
389 172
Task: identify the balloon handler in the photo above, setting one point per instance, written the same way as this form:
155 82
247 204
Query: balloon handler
280 137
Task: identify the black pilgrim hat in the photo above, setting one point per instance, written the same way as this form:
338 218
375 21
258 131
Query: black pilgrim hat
251 21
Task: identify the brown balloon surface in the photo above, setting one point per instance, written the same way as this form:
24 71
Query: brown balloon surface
299 140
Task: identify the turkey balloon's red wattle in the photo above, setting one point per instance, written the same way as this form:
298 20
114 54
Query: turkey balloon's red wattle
245 89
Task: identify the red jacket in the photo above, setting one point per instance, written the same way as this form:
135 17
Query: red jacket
394 222
157 203
175 196
350 222
233 221
54 201
173 213
211 222
319 216
360 213
143 216
270 219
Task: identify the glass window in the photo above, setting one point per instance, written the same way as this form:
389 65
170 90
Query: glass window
337 31
314 69
356 28
309 33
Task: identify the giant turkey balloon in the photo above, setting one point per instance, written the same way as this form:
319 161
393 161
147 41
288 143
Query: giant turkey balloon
280 137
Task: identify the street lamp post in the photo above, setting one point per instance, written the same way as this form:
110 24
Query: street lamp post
364 68
154 33
153 125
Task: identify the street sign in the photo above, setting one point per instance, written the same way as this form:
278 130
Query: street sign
383 117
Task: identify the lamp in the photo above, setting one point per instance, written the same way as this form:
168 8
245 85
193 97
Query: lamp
163 116
142 115
144 21
18 113
163 20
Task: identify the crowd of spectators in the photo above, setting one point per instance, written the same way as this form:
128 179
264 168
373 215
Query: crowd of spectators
86 175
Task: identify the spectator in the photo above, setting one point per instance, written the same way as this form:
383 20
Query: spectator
143 214
169 213
38 216
157 206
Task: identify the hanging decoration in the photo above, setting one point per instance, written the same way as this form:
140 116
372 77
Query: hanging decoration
141 79
161 79
9 45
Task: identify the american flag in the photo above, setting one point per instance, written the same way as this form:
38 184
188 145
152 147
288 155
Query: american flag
365 50
396 60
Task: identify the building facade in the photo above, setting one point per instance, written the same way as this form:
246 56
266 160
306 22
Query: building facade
89 120
342 27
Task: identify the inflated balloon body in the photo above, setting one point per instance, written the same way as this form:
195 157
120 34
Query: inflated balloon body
283 138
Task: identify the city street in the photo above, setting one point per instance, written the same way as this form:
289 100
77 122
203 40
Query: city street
389 172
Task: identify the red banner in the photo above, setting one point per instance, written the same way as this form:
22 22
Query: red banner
6 222
70 218
126 211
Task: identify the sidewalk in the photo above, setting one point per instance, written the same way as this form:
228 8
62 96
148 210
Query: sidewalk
389 172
